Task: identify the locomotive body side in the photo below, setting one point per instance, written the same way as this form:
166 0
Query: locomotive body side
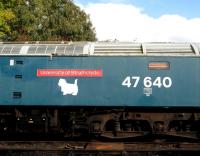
101 81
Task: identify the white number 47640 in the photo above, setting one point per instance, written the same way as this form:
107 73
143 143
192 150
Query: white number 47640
148 82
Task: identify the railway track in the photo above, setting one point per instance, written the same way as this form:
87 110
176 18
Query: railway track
93 148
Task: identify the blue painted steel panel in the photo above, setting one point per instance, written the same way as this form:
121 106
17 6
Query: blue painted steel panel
100 91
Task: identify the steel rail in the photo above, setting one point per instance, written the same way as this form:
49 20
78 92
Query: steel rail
98 146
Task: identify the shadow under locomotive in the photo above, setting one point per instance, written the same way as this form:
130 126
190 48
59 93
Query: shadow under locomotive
100 123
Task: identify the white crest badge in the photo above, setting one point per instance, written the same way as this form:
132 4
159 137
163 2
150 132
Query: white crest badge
68 88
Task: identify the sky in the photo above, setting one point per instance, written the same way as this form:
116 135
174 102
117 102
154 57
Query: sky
144 20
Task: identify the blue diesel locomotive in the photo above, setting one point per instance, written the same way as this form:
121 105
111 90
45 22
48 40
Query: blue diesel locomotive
112 90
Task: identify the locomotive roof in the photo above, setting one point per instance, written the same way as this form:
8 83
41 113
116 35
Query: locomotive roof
100 49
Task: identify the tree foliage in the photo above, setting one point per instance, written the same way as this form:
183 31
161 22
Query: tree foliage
49 20
6 17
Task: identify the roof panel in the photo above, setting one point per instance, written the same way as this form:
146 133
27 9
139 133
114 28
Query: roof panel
60 50
102 49
145 49
7 49
51 49
32 49
41 49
